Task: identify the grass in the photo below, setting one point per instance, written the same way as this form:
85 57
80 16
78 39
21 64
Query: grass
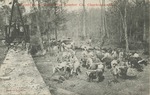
133 86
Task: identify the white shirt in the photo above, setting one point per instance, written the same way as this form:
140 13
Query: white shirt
107 55
136 55
114 63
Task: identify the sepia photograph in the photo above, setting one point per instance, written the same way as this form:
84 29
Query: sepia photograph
74 47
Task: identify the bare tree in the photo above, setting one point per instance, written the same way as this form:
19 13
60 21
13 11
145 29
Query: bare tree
84 20
38 33
125 25
144 12
55 12
103 19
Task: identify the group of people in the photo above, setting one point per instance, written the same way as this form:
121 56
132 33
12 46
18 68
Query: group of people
97 62
68 63
117 60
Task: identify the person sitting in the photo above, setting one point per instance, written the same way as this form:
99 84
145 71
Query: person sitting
135 55
107 59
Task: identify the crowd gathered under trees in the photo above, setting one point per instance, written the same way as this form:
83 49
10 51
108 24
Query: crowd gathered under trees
125 24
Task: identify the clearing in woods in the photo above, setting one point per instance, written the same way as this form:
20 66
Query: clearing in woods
138 85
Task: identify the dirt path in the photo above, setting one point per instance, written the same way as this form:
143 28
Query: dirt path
19 76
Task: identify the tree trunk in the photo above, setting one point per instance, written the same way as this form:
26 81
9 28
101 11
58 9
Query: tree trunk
103 23
83 27
55 21
120 30
106 29
144 12
38 33
148 37
125 26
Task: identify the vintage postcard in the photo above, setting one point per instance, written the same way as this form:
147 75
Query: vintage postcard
74 47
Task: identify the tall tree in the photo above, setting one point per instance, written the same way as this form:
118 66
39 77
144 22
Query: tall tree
55 8
84 20
38 33
144 16
125 25
103 19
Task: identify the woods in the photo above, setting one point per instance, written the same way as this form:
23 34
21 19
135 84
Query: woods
85 47
125 24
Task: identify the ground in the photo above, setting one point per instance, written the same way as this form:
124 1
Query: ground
138 85
132 86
